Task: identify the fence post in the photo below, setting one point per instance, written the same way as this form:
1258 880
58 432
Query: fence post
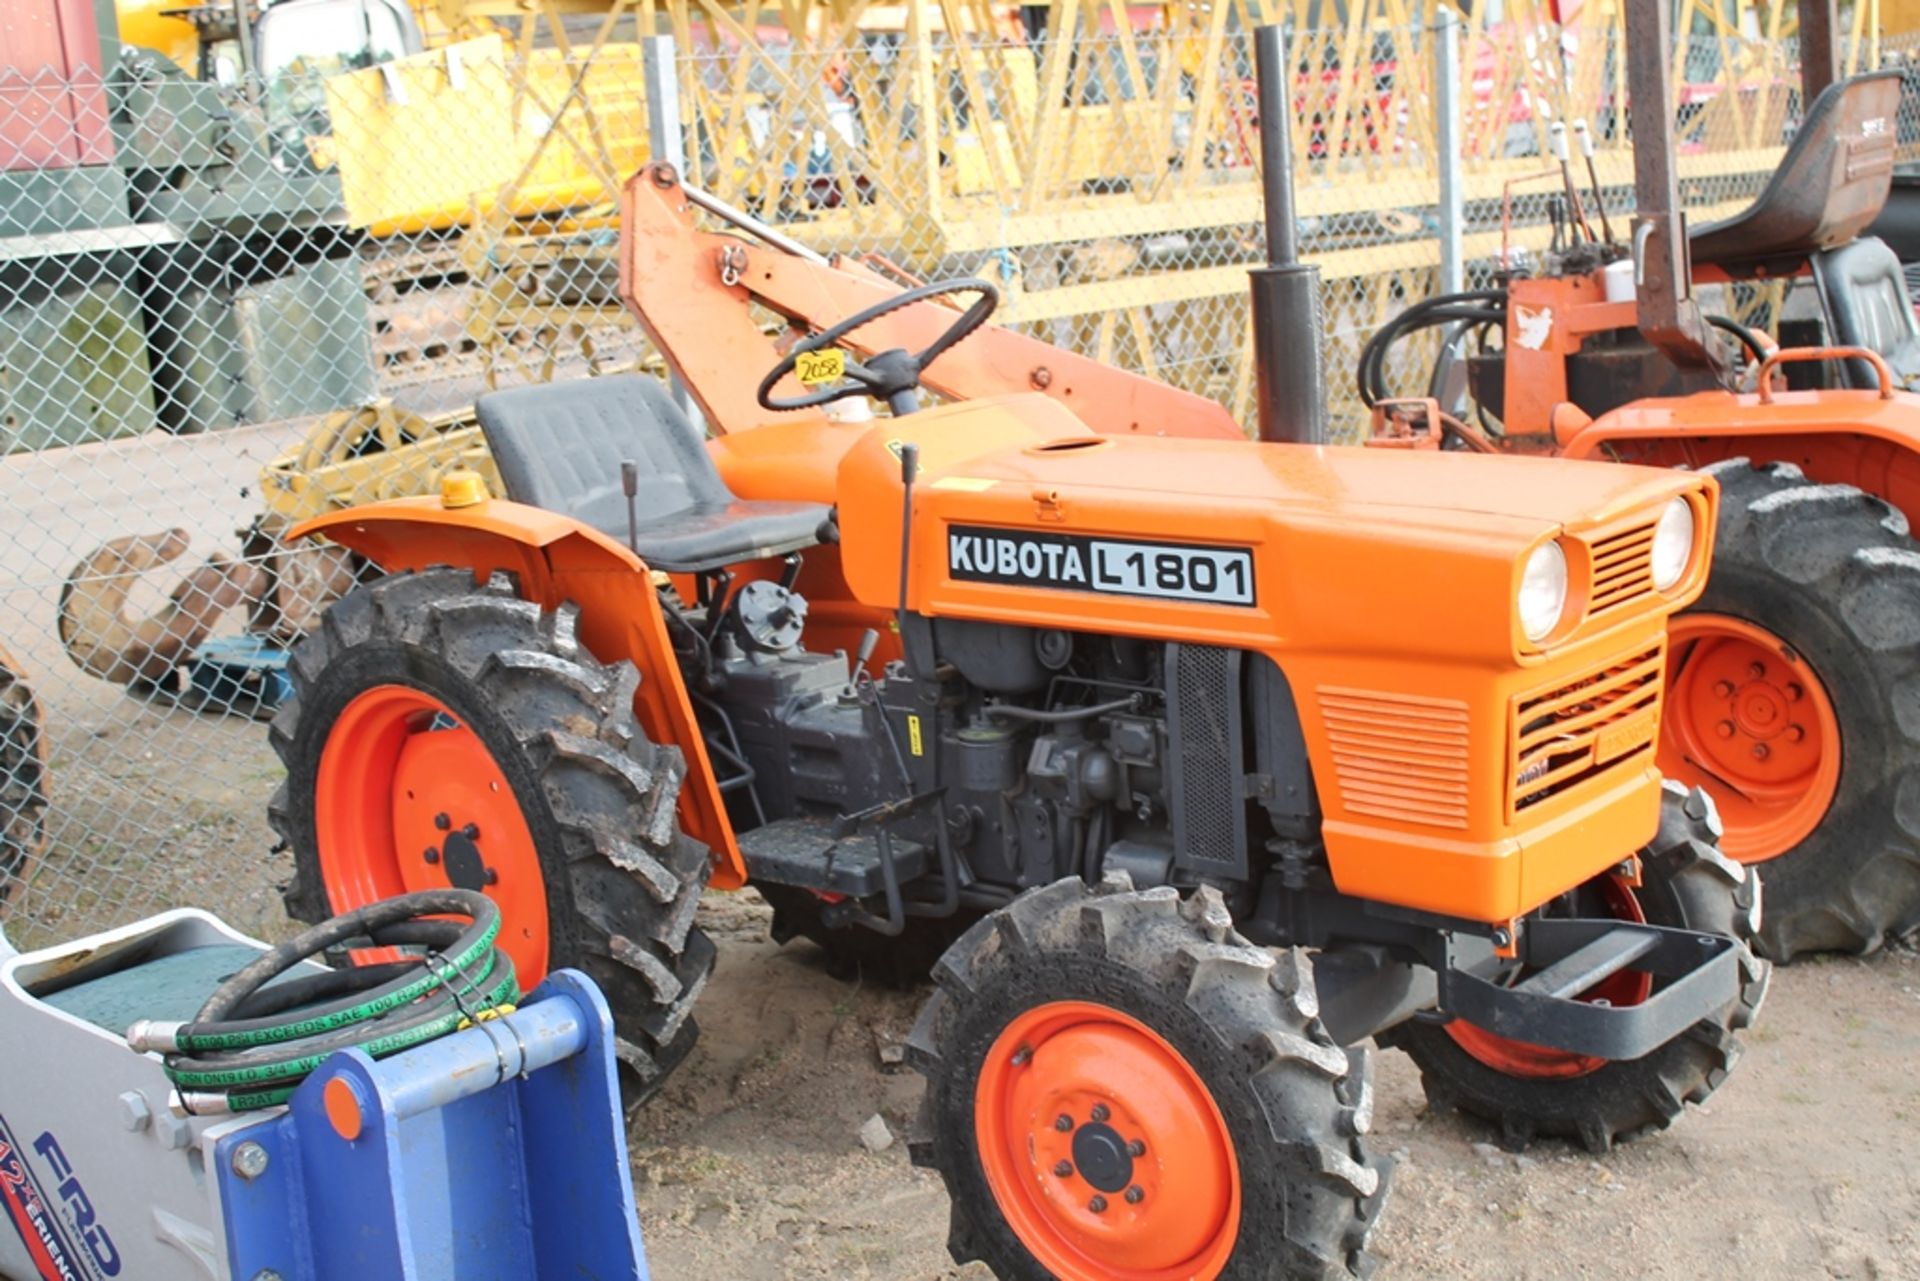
667 141
1446 108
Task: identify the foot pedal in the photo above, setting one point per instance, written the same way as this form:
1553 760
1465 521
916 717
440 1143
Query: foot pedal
804 853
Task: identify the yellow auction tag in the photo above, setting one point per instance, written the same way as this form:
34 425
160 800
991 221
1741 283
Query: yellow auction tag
816 368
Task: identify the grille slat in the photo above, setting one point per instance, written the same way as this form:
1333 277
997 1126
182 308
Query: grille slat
1398 756
1557 735
1622 567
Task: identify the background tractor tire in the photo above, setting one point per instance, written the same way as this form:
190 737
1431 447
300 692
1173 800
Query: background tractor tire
1075 1013
1795 701
1686 882
23 782
572 811
856 953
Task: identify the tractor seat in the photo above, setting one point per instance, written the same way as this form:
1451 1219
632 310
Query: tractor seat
559 446
1864 296
1832 182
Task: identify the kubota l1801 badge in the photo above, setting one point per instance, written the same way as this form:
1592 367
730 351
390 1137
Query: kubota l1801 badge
1112 566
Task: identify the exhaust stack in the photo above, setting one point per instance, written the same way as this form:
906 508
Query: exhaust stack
1290 380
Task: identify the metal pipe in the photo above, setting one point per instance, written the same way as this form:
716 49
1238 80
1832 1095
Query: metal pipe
748 223
1447 108
1291 381
1276 148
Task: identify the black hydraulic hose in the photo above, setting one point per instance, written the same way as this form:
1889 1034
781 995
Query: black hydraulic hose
252 1044
1746 336
1476 306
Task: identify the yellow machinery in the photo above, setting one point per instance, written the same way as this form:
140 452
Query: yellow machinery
1097 162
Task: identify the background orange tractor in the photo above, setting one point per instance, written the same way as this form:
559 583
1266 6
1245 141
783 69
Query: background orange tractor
1792 676
1196 760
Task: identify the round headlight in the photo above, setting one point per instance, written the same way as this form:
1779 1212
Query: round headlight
1672 543
1543 591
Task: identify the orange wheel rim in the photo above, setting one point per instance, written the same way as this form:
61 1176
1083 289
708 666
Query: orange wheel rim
1104 1150
1538 1062
1748 720
408 798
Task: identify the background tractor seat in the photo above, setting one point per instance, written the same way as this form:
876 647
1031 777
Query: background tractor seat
559 446
1863 294
1830 185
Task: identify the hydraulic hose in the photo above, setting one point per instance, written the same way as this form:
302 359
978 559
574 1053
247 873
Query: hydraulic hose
1475 308
251 1044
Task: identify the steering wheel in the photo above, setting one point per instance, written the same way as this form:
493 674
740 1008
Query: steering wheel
892 375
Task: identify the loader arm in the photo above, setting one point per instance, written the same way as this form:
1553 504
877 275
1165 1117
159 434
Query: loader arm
692 291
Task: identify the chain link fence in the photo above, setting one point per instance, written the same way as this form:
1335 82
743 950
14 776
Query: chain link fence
231 302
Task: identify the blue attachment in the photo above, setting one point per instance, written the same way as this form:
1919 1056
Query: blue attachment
240 673
494 1154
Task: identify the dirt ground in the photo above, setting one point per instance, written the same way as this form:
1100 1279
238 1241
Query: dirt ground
749 1166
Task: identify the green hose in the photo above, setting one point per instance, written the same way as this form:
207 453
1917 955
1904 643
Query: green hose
256 1043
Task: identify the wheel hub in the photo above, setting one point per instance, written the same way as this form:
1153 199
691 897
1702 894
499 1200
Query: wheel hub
1100 1157
465 868
409 798
1749 720
1104 1150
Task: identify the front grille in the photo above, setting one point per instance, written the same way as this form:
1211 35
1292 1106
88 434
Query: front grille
1564 735
1622 567
1398 756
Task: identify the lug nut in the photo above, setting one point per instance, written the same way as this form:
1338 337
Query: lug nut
1063 1123
1063 1169
1100 1112
1797 733
1794 692
1136 1194
1761 751
442 822
1724 729
1724 689
1098 1205
1136 1149
471 831
432 855
1757 670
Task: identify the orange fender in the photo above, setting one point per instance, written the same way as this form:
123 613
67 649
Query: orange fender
555 559
1857 438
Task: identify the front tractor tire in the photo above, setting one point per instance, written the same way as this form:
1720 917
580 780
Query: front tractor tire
1531 1091
444 733
1120 1087
1792 689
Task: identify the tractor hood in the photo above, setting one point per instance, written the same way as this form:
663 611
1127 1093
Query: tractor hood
1265 538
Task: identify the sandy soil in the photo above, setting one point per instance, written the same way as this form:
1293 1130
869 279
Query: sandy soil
749 1165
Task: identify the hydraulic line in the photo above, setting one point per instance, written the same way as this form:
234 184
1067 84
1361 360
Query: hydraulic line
252 1044
1475 307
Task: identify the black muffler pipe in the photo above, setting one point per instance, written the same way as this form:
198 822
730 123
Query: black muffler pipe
1290 379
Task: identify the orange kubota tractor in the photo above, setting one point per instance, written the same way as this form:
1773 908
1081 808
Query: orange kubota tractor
1195 760
1793 676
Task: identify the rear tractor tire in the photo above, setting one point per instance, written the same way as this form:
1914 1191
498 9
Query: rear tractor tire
1531 1091
1794 700
444 733
1120 1087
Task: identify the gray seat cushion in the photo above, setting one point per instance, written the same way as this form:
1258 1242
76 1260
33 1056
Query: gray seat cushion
1865 296
559 446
